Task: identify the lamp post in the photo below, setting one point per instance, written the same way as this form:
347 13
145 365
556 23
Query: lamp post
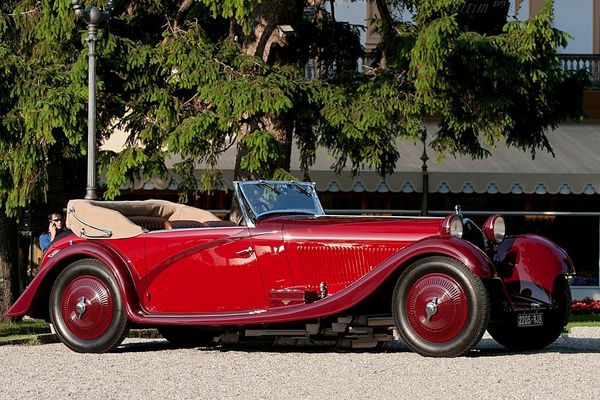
92 16
425 174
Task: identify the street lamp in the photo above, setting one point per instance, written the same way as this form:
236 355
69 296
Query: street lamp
93 16
425 174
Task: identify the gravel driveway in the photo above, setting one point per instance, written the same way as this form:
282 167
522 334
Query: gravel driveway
151 369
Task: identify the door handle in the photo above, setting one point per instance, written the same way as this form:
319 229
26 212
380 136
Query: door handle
245 252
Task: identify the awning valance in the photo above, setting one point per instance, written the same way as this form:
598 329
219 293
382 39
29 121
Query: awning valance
574 170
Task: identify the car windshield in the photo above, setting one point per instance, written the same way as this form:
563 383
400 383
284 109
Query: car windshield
269 197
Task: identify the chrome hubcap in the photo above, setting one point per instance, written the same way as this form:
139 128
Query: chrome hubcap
431 308
80 306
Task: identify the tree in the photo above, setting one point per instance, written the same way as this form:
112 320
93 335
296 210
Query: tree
216 74
486 82
223 74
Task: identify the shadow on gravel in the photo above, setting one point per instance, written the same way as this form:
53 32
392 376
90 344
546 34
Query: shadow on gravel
485 348
143 347
565 344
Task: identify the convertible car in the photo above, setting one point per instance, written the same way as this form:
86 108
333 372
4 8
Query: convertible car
285 271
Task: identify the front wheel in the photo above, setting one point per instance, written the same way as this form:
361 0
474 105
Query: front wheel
504 327
86 308
441 308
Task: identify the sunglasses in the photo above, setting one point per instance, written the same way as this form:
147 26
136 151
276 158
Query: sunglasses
55 220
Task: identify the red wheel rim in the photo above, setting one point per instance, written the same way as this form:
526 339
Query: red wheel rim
447 304
86 307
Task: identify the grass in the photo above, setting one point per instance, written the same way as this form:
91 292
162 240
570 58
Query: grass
584 320
26 329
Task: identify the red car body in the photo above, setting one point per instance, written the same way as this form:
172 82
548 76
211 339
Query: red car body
307 272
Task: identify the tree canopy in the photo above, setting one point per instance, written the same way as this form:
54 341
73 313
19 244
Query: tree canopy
192 78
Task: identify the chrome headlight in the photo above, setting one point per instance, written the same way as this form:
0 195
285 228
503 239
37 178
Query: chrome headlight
494 229
453 226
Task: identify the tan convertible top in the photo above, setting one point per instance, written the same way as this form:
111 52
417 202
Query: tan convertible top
110 219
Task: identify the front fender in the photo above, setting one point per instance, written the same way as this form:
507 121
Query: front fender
34 300
459 249
529 266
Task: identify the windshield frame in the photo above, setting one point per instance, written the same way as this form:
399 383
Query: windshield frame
251 216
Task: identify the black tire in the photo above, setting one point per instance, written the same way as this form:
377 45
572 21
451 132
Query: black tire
186 336
503 328
86 308
457 300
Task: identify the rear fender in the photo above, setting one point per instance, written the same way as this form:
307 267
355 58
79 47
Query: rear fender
34 300
529 265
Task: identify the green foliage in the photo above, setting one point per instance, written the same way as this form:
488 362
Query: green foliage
180 79
43 103
239 10
263 150
485 88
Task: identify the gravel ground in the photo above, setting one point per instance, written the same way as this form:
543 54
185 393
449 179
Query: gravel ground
151 369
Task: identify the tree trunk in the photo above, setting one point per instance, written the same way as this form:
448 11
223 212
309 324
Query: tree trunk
267 37
387 30
9 287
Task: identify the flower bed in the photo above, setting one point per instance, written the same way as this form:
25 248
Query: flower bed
585 306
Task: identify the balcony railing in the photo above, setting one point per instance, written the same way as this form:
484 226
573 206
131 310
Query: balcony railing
568 62
587 62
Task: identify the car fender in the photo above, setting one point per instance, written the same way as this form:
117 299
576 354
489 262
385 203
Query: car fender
33 301
530 264
461 250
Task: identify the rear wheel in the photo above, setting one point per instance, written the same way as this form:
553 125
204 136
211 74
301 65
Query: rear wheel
186 336
440 307
86 308
505 331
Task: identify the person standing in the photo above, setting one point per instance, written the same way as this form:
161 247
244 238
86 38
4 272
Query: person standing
56 226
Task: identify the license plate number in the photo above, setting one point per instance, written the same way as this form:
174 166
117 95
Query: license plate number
526 320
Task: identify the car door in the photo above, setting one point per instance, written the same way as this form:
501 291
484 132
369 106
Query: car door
204 270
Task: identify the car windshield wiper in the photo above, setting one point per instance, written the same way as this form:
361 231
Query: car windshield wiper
301 189
268 186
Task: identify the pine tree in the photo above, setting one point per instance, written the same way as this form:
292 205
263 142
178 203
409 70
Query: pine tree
485 80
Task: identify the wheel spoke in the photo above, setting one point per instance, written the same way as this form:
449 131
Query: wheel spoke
440 321
87 307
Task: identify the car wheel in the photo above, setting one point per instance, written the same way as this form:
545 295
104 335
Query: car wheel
504 329
186 336
441 308
86 308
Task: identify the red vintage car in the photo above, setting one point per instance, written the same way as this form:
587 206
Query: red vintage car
287 271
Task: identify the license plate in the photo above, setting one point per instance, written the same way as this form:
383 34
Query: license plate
526 320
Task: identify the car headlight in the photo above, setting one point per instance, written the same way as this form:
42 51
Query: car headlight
494 229
453 226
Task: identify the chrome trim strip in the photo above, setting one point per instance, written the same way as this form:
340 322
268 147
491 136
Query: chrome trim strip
107 233
253 312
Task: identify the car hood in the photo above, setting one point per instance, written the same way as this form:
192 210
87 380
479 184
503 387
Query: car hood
359 228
